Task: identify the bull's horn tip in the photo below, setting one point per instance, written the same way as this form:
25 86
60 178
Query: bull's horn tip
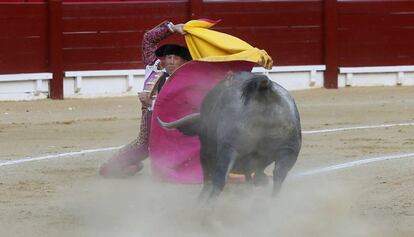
160 122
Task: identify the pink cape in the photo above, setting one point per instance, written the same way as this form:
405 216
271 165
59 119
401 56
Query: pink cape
174 156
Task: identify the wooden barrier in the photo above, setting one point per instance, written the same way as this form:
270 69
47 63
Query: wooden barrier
72 35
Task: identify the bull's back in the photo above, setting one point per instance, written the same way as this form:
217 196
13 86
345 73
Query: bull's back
271 122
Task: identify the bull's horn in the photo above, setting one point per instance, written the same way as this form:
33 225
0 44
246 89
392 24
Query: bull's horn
178 123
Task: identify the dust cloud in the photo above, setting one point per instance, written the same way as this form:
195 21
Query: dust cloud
144 207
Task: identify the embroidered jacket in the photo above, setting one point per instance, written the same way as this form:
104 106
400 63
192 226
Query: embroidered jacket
152 72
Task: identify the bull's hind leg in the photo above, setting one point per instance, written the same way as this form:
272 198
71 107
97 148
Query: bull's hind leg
286 158
207 165
260 178
226 157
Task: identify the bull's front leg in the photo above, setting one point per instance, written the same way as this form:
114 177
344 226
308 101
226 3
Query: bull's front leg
226 157
285 160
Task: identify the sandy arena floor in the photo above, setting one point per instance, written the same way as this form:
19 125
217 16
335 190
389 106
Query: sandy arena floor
66 197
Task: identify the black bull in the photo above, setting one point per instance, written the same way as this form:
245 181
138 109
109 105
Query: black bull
246 123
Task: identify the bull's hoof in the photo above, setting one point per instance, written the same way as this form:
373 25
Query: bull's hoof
260 179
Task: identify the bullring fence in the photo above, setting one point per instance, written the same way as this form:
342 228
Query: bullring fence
46 41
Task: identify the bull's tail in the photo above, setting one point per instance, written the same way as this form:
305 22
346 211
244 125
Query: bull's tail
255 86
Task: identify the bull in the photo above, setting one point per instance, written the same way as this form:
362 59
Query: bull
246 123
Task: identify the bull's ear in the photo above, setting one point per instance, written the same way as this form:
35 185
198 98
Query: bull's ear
229 76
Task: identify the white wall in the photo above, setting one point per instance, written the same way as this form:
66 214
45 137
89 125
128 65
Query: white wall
104 86
376 79
292 78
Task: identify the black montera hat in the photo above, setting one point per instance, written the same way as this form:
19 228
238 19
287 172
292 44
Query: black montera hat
173 49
